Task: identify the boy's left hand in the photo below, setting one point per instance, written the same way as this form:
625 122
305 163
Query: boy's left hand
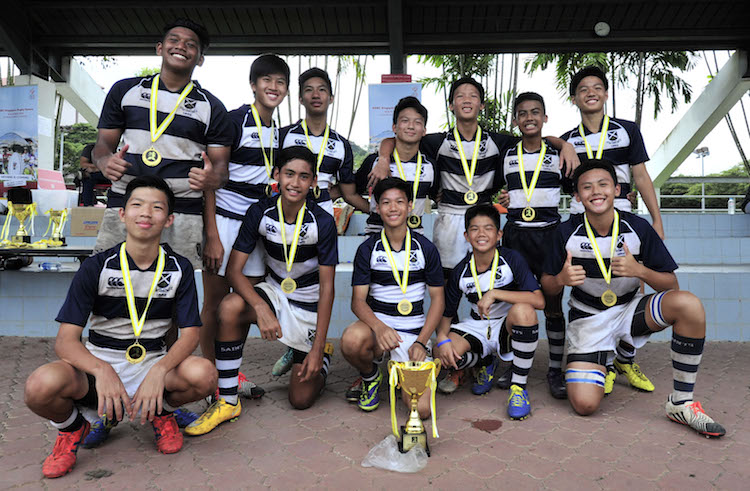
569 159
149 397
626 265
417 352
312 364
202 179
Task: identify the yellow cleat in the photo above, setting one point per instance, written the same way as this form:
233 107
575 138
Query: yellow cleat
636 378
217 413
609 381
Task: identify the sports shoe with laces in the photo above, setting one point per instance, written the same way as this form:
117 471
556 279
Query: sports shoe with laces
369 399
452 381
484 378
503 381
354 390
556 383
63 456
218 412
609 380
519 406
184 417
248 389
690 413
99 432
167 434
634 375
283 364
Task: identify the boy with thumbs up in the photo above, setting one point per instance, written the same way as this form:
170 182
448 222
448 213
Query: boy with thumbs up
604 254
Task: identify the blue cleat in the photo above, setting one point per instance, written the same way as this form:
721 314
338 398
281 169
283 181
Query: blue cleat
518 403
184 417
369 399
485 376
99 432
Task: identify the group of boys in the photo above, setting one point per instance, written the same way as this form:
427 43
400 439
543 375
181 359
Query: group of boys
195 186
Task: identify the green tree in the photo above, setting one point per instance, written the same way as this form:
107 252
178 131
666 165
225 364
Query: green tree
682 189
76 137
147 71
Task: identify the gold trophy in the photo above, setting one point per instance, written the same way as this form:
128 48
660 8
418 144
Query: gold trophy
58 219
21 206
414 377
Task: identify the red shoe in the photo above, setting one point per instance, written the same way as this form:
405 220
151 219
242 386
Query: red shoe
63 456
167 434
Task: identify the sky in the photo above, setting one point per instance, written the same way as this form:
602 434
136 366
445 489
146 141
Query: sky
227 78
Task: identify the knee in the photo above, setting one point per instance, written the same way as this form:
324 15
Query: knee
230 309
300 401
583 406
523 314
202 376
42 385
354 340
686 305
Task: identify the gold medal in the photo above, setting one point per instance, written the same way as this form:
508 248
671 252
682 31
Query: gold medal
609 298
414 221
151 157
316 192
269 190
470 197
288 285
528 214
135 353
405 307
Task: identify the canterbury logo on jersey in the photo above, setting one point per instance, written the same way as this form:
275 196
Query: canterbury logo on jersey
146 95
271 229
381 260
115 282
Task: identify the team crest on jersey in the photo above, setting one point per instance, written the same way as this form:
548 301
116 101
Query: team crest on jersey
164 281
331 145
613 136
303 230
620 242
547 160
311 335
413 257
189 104
482 146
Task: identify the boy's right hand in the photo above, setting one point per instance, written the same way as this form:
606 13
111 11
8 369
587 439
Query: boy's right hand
387 338
213 254
111 393
269 326
571 275
504 198
115 165
447 355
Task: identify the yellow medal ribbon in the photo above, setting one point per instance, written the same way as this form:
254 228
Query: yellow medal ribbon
393 382
267 160
493 269
606 272
322 149
528 190
402 174
157 131
602 139
137 322
404 306
291 253
468 171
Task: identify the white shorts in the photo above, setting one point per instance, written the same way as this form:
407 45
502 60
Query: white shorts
229 228
298 326
448 237
401 353
131 375
603 331
478 329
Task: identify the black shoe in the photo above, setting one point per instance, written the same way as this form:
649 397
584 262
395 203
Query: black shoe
503 381
557 384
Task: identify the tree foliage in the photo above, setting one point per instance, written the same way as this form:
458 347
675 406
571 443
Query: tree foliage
682 189
76 137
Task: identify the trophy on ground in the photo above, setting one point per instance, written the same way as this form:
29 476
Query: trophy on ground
21 206
414 377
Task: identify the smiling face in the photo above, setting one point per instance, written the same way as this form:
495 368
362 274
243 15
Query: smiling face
530 118
180 50
466 103
409 127
315 96
393 207
295 180
596 191
146 214
270 90
590 95
483 234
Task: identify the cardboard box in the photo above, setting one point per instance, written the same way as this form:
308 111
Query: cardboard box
85 221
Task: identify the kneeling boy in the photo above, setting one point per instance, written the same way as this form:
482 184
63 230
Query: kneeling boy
392 270
131 291
293 304
503 295
604 254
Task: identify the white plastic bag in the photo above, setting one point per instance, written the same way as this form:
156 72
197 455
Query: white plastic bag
385 455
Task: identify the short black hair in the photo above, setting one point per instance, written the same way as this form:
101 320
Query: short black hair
465 80
591 164
528 96
198 29
409 102
150 181
391 183
268 64
589 71
312 73
484 210
291 153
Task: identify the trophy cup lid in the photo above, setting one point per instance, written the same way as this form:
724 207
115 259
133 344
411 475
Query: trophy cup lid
20 196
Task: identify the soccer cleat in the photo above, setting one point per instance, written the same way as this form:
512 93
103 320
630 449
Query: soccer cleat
690 413
99 432
484 378
248 389
167 434
354 390
609 380
63 456
556 383
184 417
634 375
218 412
452 381
369 399
283 364
519 406
503 381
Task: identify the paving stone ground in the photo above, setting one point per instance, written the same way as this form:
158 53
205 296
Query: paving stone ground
629 444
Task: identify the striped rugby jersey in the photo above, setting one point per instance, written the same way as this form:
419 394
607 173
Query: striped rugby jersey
441 148
546 197
98 289
425 189
317 247
512 274
247 168
372 268
623 145
200 121
643 242
338 160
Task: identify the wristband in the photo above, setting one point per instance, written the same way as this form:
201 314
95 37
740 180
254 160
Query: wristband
421 344
443 342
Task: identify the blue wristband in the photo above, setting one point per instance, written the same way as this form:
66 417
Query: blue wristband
443 342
